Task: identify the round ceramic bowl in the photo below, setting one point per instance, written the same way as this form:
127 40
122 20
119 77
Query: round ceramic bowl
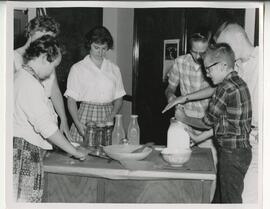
124 152
176 158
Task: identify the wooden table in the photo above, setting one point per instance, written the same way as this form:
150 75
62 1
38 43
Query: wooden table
96 180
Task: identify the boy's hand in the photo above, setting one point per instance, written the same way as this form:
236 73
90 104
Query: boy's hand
173 102
194 137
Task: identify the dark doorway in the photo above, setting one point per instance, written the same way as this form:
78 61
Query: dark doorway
151 28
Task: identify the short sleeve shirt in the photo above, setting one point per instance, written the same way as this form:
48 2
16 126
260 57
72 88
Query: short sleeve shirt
88 83
190 78
33 118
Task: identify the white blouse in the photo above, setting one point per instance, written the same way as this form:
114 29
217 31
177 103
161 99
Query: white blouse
249 72
48 83
86 82
33 119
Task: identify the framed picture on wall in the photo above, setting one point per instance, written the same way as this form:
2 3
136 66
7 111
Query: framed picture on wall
170 52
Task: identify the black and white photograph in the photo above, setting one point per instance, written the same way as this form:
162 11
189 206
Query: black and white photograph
136 103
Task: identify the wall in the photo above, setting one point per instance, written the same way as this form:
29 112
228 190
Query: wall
120 23
250 23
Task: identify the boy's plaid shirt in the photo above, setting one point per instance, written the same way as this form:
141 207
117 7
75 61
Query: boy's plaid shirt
230 113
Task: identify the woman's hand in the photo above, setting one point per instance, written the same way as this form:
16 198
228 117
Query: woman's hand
81 128
81 153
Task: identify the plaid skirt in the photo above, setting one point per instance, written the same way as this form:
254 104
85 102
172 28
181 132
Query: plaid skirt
90 112
28 181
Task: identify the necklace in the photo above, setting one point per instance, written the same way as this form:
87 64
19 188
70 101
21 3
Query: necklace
32 72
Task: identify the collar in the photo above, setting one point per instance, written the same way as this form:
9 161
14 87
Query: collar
89 60
195 65
31 71
230 75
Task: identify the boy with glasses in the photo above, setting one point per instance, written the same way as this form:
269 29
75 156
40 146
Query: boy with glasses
247 66
229 117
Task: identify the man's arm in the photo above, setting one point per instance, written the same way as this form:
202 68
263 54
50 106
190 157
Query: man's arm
201 94
197 95
170 93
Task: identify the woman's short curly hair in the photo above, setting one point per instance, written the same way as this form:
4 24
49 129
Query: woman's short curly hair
42 23
99 35
47 45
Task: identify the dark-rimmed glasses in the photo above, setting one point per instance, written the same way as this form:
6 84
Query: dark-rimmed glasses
207 69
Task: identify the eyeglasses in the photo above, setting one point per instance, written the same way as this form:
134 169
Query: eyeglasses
207 69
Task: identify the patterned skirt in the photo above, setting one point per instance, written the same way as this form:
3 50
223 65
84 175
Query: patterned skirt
28 181
90 112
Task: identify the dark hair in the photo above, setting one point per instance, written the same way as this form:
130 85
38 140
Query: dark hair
200 34
221 52
99 35
47 45
42 23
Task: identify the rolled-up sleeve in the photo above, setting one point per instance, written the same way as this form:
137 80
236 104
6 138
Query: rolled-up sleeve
119 90
73 84
215 108
174 75
34 103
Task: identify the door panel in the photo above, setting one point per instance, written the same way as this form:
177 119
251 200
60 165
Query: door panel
153 27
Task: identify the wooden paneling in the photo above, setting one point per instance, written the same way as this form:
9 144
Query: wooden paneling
68 188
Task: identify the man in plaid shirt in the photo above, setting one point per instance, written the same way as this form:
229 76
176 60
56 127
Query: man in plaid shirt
229 115
188 73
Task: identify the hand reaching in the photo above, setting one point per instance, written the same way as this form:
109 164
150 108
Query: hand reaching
173 102
81 128
65 130
81 153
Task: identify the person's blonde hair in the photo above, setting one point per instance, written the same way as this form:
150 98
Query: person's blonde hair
221 52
